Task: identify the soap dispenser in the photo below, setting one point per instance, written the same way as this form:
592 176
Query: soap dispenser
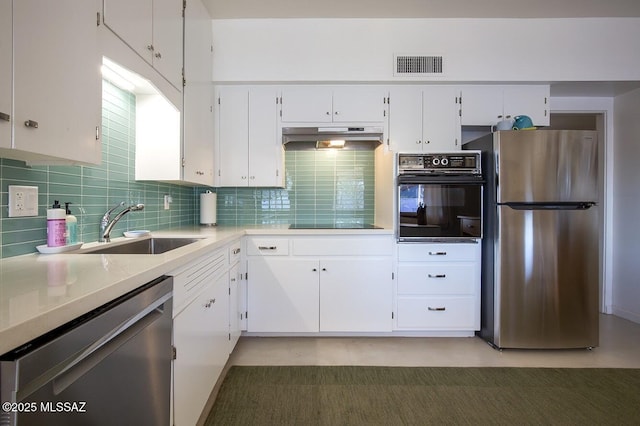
56 226
71 226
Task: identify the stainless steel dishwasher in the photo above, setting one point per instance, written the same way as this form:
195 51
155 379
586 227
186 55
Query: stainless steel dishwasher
110 366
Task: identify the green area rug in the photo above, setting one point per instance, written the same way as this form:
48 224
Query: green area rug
353 395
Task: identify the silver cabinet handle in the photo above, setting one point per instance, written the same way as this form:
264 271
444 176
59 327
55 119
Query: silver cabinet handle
315 269
437 309
236 251
328 113
418 142
210 303
158 55
437 275
267 247
337 113
150 47
437 253
31 123
5 117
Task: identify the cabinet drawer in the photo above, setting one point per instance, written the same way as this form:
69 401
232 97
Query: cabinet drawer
343 246
438 313
434 252
437 278
268 247
191 278
234 252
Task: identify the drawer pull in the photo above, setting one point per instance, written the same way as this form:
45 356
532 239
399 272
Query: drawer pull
210 303
31 123
236 251
437 253
437 275
267 248
437 309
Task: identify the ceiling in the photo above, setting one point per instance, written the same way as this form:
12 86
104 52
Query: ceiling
241 9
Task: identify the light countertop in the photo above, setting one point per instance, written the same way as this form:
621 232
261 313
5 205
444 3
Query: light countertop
39 292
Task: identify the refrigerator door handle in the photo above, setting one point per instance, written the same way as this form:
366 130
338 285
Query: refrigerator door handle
561 205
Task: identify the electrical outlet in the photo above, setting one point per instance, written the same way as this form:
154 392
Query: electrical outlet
23 201
167 201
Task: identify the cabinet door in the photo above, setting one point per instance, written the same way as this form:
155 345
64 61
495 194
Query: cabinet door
531 100
132 22
358 104
481 105
356 294
441 122
167 39
198 149
265 146
233 136
236 310
405 119
6 74
198 146
282 295
57 63
306 104
200 335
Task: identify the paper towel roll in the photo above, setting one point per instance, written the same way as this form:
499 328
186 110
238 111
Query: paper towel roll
208 208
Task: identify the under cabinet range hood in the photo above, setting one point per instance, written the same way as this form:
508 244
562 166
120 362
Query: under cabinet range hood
306 138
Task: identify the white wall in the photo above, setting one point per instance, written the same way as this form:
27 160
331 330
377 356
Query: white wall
626 207
588 49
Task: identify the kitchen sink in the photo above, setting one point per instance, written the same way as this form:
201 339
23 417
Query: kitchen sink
144 246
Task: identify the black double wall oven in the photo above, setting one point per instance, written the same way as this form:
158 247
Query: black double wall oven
439 197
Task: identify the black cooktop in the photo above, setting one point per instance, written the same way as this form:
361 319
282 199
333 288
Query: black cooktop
333 226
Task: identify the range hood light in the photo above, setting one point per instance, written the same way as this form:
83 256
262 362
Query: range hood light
334 143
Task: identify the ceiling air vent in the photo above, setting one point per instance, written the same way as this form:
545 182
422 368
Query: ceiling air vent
408 66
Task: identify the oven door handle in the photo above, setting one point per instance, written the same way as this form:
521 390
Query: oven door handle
441 179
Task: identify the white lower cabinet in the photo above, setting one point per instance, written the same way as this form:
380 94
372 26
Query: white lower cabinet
355 294
205 328
438 287
201 339
319 284
283 295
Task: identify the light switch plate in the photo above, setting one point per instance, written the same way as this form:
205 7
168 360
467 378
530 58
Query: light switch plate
23 201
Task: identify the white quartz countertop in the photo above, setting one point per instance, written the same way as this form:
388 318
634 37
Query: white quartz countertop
39 292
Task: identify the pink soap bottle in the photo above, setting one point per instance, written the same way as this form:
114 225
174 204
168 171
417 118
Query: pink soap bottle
56 225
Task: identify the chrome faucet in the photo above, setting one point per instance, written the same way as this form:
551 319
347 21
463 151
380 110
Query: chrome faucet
106 224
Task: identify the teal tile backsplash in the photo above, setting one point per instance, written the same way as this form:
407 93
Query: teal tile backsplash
321 187
92 190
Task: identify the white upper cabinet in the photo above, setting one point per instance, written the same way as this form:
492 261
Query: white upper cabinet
265 140
486 105
6 74
232 136
528 100
57 82
198 150
424 118
247 137
153 29
333 104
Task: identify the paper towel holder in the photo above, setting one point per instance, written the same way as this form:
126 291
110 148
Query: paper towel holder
208 206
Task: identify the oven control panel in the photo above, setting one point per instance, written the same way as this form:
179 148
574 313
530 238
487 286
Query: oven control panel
465 162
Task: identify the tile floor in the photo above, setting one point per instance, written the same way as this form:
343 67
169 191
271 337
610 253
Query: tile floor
619 347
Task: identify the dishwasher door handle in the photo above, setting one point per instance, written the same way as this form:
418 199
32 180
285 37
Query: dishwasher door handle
65 373
107 344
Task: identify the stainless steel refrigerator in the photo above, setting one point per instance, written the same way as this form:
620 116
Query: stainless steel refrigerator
540 255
